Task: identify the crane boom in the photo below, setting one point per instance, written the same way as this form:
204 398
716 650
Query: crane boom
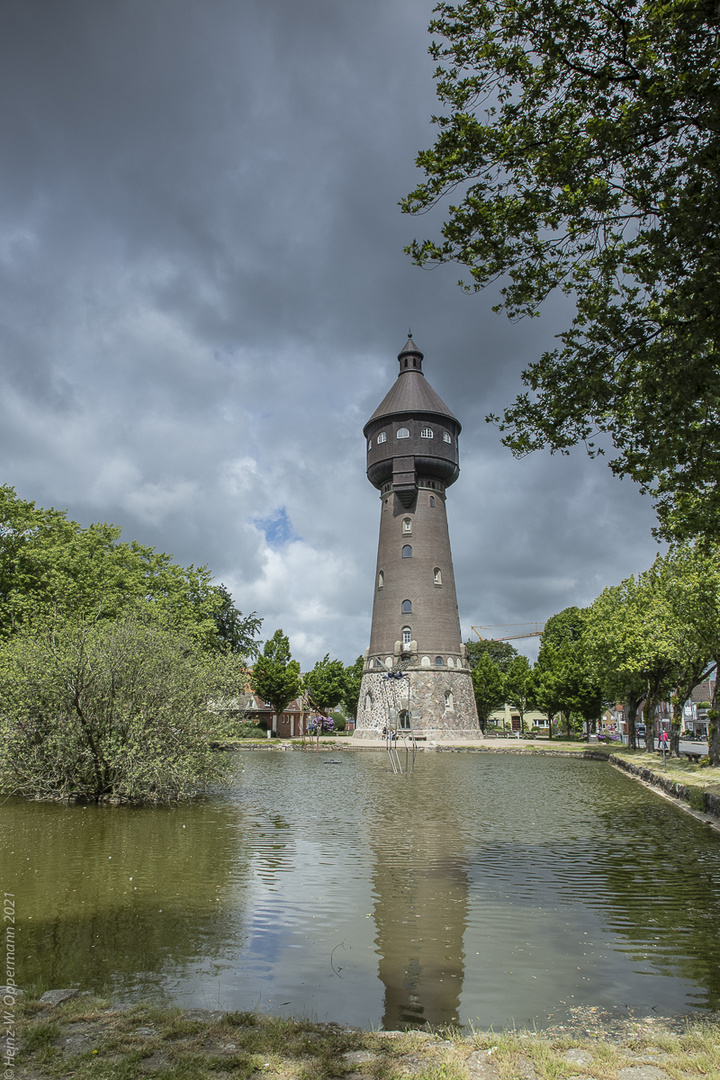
509 637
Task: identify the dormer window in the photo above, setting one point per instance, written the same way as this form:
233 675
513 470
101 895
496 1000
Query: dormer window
403 433
426 433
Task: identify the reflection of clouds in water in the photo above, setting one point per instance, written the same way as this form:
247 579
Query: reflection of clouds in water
487 887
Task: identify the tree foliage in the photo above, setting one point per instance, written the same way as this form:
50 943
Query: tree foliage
502 653
581 140
488 687
563 680
109 709
276 676
326 684
51 568
353 682
518 685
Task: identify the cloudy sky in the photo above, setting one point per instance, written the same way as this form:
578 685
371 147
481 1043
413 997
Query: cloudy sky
203 293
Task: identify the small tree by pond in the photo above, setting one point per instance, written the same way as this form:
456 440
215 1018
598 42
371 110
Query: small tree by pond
110 710
276 677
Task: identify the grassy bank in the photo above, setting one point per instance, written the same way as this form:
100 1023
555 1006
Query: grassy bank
86 1039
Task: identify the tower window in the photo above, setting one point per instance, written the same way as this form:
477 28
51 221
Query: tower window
448 701
447 437
437 576
407 525
381 579
406 635
369 444
382 437
432 500
426 433
406 608
438 661
407 551
404 720
403 433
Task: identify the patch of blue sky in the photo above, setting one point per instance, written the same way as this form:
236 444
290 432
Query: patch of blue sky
278 528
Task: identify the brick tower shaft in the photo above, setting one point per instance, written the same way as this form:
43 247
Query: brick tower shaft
412 458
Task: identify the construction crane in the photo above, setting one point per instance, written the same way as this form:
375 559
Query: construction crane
537 632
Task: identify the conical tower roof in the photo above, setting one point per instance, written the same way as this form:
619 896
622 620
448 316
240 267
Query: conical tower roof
411 392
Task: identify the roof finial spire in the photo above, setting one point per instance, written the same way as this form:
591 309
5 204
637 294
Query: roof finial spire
410 358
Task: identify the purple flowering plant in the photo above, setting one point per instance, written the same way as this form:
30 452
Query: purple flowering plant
319 724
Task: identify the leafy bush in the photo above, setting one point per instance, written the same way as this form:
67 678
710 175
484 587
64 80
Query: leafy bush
248 729
110 710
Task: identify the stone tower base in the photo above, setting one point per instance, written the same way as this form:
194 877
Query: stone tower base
440 704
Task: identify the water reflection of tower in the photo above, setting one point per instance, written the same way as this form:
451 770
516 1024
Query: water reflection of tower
421 887
412 458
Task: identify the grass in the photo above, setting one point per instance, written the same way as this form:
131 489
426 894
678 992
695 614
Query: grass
87 1039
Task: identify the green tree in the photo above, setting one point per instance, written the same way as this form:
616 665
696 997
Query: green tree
235 631
353 682
580 140
548 684
688 579
326 684
518 686
501 653
109 709
53 568
488 687
626 643
275 676
563 677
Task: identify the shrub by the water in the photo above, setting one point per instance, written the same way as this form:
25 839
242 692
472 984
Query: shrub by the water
111 709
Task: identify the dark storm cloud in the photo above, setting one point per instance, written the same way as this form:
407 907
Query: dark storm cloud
203 290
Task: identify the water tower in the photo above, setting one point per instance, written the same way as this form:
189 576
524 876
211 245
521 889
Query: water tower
412 459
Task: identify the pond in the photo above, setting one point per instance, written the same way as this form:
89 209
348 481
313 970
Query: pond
483 889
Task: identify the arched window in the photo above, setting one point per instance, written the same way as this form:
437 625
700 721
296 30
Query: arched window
368 702
381 579
432 500
382 437
426 433
438 661
378 663
406 635
407 551
447 437
407 525
448 701
369 444
403 433
406 608
437 576
404 719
